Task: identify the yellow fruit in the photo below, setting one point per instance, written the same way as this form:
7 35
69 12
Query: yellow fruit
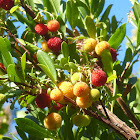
80 89
100 47
95 94
67 89
53 121
56 95
84 102
89 44
81 120
78 76
44 46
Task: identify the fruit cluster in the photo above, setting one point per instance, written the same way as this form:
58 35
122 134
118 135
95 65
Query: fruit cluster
6 4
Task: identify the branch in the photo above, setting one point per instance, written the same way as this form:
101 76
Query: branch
107 122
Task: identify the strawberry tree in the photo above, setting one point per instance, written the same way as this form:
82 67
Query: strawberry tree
63 70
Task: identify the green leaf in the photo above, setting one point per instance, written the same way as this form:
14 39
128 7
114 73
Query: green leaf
72 13
136 10
23 63
6 138
8 44
106 59
114 24
65 50
116 39
32 128
138 34
14 74
5 53
31 4
106 13
112 77
52 6
29 46
91 29
13 9
47 65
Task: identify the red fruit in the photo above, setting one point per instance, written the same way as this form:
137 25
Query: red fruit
113 54
1 2
43 100
53 25
54 44
7 4
41 29
98 78
58 106
2 67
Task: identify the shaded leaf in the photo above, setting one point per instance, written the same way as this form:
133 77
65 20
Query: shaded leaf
65 49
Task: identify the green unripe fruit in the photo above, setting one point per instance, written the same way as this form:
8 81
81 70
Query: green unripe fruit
95 94
89 44
81 120
2 98
78 76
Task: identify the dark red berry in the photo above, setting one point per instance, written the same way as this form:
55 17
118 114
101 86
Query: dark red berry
41 29
43 100
2 67
1 2
98 78
7 4
54 44
113 54
58 106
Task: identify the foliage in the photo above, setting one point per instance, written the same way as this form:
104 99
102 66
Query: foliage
26 70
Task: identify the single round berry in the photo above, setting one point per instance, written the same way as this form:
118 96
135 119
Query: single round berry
58 106
80 89
41 29
53 121
113 54
44 46
56 95
84 102
89 44
78 76
94 94
43 100
7 4
53 25
54 44
81 120
98 78
100 47
67 89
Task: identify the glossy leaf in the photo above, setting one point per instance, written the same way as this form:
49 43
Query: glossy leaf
106 59
47 64
13 9
91 29
112 77
5 53
72 13
65 50
23 63
138 34
136 10
32 128
114 24
116 39
106 13
14 74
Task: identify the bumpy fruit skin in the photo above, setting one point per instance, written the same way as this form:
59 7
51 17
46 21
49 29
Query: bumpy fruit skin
100 47
67 89
84 102
54 44
80 89
7 4
43 100
94 94
78 76
53 121
56 95
81 120
58 106
41 29
113 54
2 98
98 78
89 44
53 25
44 46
